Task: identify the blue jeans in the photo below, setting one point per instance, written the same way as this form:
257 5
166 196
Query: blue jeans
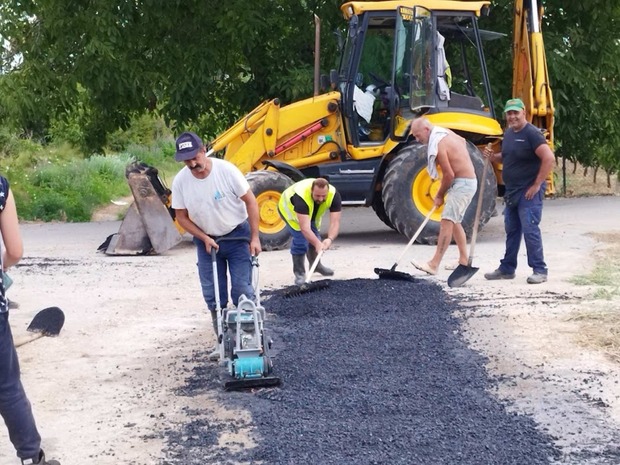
299 244
233 256
14 405
522 220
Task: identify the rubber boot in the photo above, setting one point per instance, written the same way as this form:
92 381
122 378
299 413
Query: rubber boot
320 269
299 268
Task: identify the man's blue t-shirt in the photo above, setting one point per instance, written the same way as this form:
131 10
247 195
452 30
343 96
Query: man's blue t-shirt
521 165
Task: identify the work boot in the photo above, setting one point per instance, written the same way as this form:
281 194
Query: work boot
320 269
214 355
537 278
40 460
498 274
299 268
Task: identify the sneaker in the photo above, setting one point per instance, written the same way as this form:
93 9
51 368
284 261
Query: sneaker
537 278
12 304
40 460
498 274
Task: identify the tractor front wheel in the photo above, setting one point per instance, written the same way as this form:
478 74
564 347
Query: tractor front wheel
267 187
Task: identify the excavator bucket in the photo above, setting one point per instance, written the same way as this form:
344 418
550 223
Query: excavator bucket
148 226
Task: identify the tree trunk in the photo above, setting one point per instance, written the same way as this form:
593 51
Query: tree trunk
594 174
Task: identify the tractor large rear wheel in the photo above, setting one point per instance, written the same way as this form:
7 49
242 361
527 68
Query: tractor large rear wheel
408 193
379 208
268 186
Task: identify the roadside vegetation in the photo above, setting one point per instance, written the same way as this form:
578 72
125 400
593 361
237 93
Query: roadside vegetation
56 182
599 315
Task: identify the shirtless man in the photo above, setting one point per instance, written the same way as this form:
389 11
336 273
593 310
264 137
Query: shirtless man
458 183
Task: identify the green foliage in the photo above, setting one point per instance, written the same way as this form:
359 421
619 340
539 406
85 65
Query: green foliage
87 76
55 182
72 191
143 131
107 61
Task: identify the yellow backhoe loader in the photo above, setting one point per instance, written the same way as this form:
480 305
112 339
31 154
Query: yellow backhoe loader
399 60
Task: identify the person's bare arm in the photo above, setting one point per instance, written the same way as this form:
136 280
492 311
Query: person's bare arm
306 230
334 228
183 218
547 162
9 227
251 206
494 157
447 174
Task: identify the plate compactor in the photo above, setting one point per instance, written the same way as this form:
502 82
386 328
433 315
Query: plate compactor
242 340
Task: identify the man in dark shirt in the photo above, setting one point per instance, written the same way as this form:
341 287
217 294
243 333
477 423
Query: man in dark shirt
302 207
527 160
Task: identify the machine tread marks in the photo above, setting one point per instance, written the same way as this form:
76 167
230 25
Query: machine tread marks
407 213
267 187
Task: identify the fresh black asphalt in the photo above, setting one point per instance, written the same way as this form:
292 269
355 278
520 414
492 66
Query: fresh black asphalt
373 372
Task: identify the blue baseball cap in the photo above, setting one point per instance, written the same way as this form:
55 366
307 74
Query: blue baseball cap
188 145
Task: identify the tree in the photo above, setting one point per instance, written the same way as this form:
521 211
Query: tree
195 62
203 64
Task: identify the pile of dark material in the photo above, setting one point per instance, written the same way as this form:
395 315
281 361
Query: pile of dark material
373 372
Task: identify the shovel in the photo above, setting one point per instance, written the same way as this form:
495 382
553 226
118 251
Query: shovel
48 322
399 275
463 273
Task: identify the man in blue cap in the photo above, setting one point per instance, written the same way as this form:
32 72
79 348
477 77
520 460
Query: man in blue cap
214 203
527 161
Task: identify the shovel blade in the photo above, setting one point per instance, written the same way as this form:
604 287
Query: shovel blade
394 275
461 275
47 322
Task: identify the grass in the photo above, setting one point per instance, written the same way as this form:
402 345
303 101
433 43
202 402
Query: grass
600 323
582 182
56 183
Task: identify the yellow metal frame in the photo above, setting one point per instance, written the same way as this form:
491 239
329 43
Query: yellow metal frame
350 8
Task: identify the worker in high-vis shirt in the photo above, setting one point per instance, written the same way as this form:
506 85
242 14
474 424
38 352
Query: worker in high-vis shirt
302 207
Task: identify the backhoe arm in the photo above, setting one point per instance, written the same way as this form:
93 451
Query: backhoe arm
300 134
530 78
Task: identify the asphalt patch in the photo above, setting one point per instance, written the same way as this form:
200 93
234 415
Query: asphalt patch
373 372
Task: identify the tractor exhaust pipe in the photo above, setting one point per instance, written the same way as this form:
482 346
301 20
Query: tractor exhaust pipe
317 53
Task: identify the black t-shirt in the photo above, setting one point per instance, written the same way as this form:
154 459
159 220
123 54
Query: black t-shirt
300 206
521 164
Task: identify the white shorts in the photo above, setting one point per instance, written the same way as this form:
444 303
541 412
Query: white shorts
458 199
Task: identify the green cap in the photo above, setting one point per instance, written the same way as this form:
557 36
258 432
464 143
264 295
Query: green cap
514 104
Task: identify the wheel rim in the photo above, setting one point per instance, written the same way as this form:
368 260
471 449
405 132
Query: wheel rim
423 192
269 219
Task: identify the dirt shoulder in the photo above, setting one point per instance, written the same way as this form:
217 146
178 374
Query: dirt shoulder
109 386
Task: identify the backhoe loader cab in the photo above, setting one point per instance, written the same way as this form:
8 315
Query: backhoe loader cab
402 62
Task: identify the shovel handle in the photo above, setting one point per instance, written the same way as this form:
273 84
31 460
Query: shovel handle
415 236
474 233
314 265
27 339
